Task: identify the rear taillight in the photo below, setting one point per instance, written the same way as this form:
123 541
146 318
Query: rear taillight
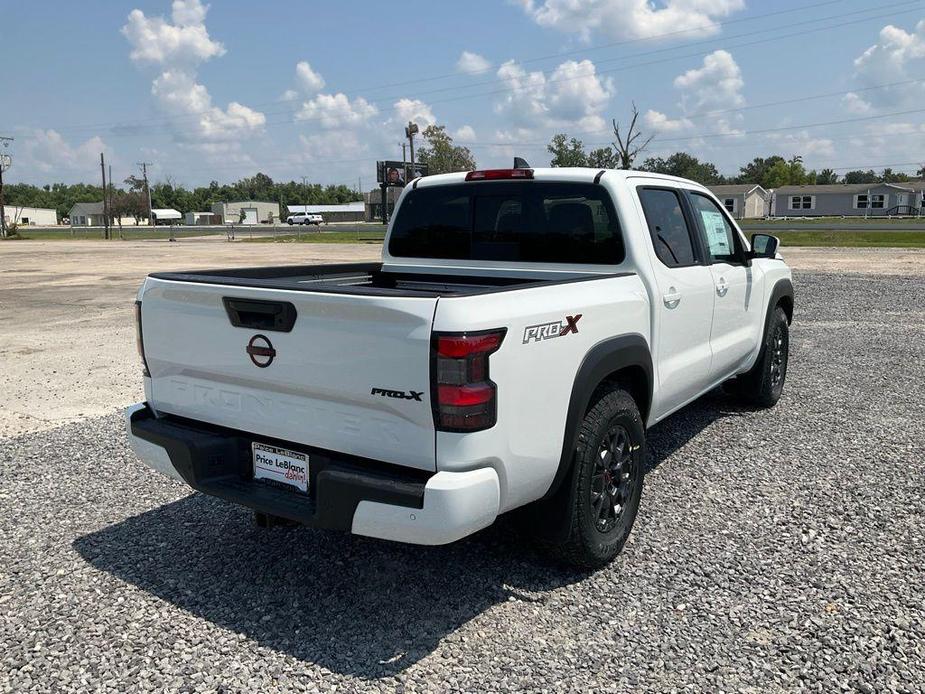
139 339
465 398
499 174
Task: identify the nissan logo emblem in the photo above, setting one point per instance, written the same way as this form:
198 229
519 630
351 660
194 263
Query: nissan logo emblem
261 351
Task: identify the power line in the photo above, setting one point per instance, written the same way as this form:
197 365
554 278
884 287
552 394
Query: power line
602 46
698 54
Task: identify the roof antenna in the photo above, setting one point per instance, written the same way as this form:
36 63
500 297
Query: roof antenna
520 163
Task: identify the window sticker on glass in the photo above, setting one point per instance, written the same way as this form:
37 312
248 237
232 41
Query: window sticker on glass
717 238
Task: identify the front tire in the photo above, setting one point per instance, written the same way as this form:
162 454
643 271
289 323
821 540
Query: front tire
606 482
764 384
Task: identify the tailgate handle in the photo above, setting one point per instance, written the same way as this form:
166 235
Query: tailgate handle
258 314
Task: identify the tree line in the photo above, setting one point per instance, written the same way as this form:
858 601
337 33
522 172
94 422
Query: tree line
772 171
130 199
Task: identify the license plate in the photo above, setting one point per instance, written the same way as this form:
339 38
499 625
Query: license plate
280 465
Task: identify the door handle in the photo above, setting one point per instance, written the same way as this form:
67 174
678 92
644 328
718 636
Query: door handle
722 286
672 298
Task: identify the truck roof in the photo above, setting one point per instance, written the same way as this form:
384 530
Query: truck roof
581 174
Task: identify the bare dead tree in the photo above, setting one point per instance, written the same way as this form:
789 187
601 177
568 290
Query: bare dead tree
628 147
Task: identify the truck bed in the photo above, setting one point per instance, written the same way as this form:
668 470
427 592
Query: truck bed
366 278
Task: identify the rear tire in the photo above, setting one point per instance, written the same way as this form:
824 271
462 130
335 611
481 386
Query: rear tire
764 384
605 486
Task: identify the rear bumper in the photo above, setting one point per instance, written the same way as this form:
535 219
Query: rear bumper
345 493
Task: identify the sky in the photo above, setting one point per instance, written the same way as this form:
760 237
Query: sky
221 91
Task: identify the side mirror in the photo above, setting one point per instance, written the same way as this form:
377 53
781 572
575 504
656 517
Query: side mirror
764 246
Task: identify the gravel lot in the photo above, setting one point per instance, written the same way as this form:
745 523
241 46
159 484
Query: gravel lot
775 551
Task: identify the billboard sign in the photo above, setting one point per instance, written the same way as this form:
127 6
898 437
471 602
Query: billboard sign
398 173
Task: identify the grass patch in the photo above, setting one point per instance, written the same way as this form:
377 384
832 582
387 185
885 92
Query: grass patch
832 221
319 237
852 239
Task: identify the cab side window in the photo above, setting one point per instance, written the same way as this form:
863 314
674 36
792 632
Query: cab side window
671 236
719 237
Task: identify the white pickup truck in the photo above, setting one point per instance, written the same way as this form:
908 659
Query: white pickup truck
524 328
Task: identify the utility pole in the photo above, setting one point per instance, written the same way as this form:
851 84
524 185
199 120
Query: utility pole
304 196
5 161
144 173
410 132
105 198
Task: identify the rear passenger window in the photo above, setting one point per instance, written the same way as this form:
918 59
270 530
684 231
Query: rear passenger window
667 226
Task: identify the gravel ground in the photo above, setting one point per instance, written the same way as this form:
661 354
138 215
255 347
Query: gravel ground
775 551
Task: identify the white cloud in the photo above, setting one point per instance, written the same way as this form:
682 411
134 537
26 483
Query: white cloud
715 86
472 63
155 40
178 93
310 81
898 56
464 134
856 104
178 48
572 96
336 110
289 95
46 151
804 144
631 19
660 123
321 147
414 110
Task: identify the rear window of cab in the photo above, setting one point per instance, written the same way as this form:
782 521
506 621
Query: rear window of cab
527 221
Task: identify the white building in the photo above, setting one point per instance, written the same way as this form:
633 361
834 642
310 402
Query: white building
166 215
90 214
200 219
246 212
30 216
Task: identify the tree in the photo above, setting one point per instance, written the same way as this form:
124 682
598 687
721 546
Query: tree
441 155
777 175
756 171
797 175
603 158
861 177
890 176
826 177
686 166
628 147
921 172
566 151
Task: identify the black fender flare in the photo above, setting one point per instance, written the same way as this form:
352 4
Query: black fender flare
783 288
605 358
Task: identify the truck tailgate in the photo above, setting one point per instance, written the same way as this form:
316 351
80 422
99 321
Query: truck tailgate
352 375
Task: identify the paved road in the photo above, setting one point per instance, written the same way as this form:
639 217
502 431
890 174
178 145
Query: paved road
778 550
240 230
797 226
